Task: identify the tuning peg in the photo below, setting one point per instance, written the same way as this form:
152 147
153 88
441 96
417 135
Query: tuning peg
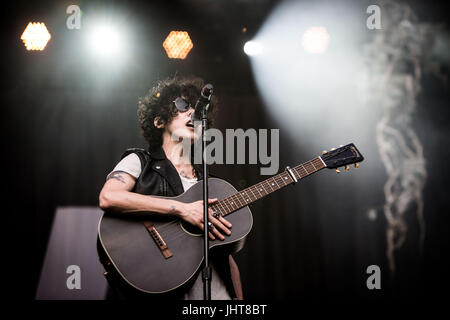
347 168
356 165
324 152
338 171
332 149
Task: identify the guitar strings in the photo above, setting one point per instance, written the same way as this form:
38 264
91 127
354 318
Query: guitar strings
219 206
168 235
225 206
165 225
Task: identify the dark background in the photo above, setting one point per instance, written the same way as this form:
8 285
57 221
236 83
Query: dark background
66 121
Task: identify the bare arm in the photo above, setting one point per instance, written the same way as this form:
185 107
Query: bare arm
116 196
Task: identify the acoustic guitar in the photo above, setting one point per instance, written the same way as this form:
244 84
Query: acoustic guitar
157 253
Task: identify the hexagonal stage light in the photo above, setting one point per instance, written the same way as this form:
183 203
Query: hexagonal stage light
35 36
178 44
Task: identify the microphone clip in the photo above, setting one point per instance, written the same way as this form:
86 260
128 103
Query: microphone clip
203 102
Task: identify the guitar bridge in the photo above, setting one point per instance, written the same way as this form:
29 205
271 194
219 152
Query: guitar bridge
158 239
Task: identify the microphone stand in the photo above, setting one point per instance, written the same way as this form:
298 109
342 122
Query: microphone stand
206 272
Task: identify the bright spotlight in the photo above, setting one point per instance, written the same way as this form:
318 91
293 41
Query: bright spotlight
35 36
105 40
252 48
315 39
310 86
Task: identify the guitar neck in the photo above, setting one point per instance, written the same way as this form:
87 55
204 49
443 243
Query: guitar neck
263 188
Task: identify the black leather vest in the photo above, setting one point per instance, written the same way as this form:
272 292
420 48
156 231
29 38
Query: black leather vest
158 177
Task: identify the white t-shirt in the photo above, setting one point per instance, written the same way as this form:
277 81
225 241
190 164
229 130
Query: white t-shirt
131 164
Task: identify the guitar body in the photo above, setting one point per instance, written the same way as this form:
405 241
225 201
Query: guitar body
137 258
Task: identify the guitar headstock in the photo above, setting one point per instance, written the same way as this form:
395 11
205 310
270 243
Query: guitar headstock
342 156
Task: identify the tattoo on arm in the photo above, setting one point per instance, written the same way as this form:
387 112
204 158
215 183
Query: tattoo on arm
173 208
116 175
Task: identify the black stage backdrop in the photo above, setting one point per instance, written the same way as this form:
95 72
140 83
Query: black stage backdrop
65 125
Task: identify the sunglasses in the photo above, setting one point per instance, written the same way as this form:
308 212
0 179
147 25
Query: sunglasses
181 104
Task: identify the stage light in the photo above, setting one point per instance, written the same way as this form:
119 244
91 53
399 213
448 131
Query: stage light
301 87
253 48
35 36
315 39
178 44
105 40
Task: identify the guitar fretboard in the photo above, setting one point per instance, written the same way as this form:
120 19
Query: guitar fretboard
263 188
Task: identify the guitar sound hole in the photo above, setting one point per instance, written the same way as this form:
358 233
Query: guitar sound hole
189 228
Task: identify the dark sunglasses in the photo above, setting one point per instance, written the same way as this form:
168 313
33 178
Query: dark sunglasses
181 104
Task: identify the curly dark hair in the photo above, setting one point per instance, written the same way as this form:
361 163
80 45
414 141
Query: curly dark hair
159 103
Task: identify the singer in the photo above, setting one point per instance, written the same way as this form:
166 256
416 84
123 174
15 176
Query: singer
165 118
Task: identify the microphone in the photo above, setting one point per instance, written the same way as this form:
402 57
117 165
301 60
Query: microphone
202 102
